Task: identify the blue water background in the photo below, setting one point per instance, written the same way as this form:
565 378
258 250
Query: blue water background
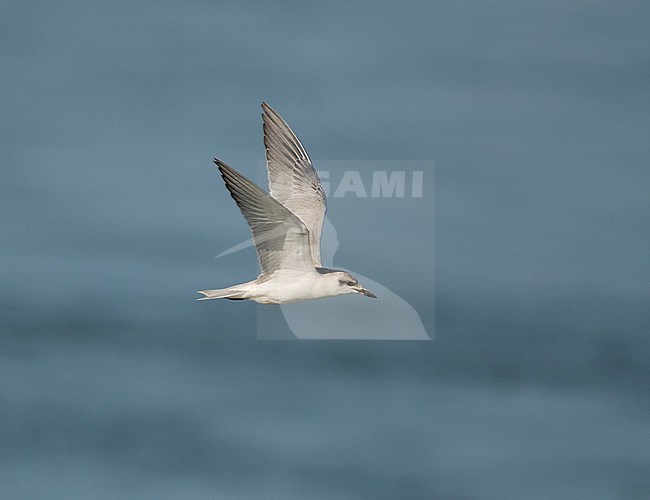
115 383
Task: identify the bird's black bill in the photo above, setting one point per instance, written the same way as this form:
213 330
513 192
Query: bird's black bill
367 293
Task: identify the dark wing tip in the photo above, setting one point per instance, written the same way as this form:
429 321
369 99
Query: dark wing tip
269 111
226 171
221 165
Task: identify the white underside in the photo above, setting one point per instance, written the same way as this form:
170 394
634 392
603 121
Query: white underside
286 286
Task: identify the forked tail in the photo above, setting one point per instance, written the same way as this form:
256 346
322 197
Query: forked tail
222 293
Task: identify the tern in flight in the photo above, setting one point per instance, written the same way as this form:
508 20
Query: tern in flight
286 225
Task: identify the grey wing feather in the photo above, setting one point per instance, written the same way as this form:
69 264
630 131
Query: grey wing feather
281 239
293 181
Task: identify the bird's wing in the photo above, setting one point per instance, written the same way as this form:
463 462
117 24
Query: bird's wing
281 239
293 181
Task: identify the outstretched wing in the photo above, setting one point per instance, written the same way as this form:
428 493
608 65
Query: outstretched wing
281 239
293 181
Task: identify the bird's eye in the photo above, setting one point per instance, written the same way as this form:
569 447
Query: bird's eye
350 283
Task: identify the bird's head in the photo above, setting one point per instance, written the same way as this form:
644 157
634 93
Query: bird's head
349 284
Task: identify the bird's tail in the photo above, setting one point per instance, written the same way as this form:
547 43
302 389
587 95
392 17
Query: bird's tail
223 293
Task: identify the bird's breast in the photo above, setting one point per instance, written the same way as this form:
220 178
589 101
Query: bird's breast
290 286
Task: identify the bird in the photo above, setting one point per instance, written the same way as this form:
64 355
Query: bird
286 225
